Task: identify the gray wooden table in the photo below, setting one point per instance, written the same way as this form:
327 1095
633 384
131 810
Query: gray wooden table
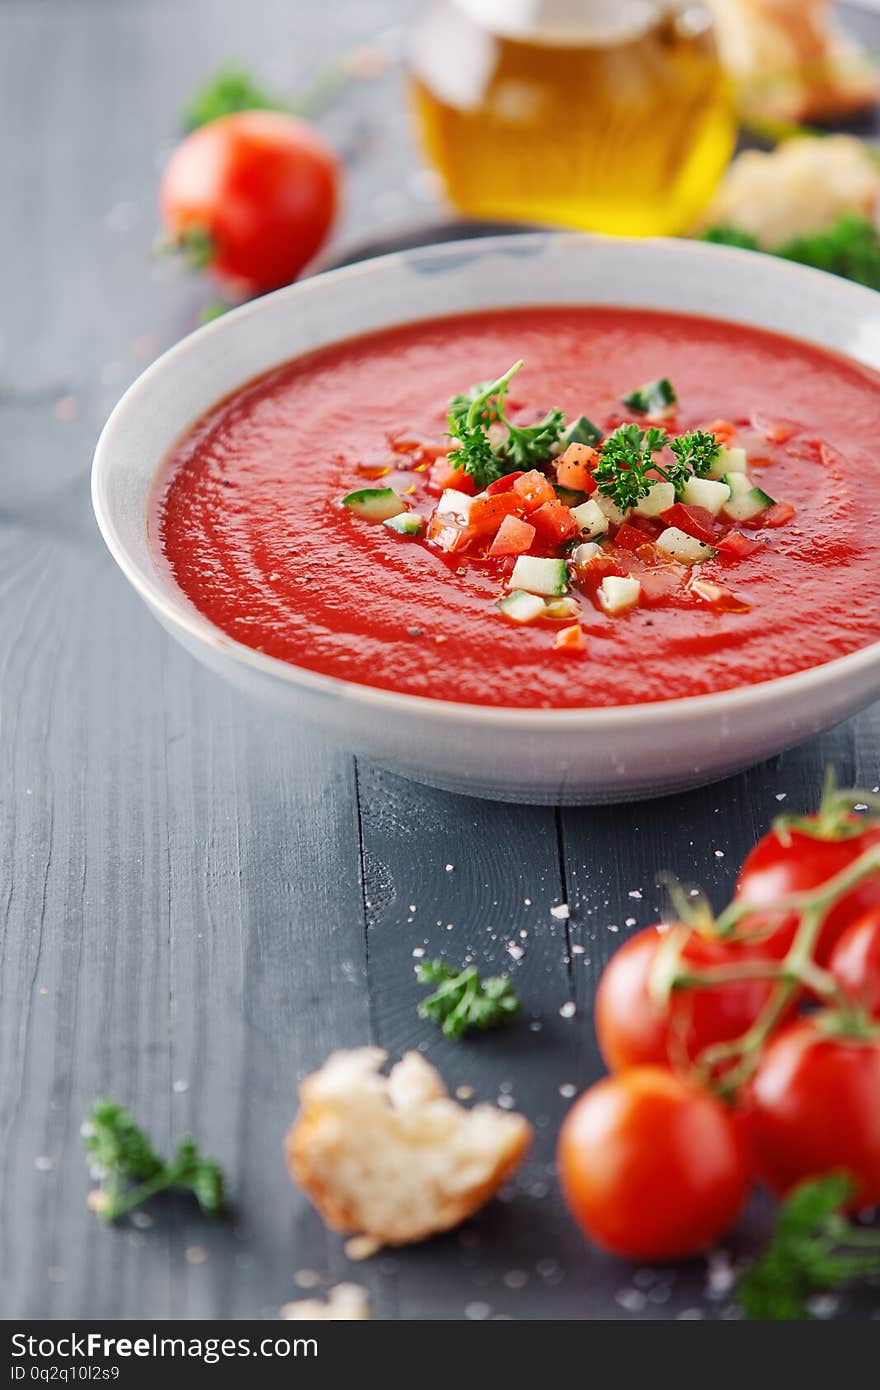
197 903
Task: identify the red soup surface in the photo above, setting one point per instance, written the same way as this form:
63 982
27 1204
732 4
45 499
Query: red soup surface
248 515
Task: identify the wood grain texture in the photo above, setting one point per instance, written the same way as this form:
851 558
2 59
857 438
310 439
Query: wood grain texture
198 902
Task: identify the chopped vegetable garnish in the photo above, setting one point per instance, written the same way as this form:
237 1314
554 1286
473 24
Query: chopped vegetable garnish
654 398
131 1172
526 495
463 1001
814 1248
695 452
582 431
625 462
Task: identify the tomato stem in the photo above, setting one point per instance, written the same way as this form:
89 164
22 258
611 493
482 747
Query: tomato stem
797 970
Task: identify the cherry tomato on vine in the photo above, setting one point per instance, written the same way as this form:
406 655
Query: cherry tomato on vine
815 1107
651 1168
793 861
253 195
855 961
635 1029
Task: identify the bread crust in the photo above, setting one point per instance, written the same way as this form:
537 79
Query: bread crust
324 1136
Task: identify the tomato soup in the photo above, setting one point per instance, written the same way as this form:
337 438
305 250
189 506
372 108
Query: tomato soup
652 506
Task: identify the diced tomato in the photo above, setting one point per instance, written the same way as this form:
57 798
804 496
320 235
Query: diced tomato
736 546
719 598
535 489
777 515
514 537
554 522
503 484
773 431
448 535
487 513
659 583
695 521
444 474
629 537
723 430
575 468
570 639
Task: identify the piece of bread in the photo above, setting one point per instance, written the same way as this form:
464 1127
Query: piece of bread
396 1158
789 60
344 1303
802 186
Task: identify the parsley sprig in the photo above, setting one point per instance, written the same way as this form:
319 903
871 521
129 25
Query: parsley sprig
463 1001
694 452
627 469
626 459
814 1248
472 413
131 1172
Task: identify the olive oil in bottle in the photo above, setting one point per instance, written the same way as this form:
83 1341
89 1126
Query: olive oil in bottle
607 115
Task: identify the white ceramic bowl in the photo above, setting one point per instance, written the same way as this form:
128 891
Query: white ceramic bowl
565 756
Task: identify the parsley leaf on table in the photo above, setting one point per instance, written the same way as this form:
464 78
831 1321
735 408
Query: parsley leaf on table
463 1001
131 1172
849 248
813 1248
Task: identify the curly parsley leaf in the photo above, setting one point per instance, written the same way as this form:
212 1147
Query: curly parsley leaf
813 1248
528 445
474 451
654 398
694 452
131 1172
463 1001
731 236
849 248
231 89
460 404
626 459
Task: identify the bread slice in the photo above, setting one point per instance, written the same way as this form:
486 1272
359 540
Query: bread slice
789 60
396 1158
803 186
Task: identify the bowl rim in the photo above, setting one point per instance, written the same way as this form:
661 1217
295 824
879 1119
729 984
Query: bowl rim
177 611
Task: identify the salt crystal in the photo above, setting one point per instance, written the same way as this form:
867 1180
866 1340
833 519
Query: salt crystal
562 912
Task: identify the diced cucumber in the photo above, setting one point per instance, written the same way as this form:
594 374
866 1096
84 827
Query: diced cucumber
454 503
654 398
583 554
590 518
746 500
729 461
610 509
704 492
582 431
406 524
659 499
678 545
374 503
617 594
522 607
539 576
560 608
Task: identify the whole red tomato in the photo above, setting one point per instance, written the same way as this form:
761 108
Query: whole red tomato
815 1108
634 1029
259 189
651 1167
855 961
795 862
